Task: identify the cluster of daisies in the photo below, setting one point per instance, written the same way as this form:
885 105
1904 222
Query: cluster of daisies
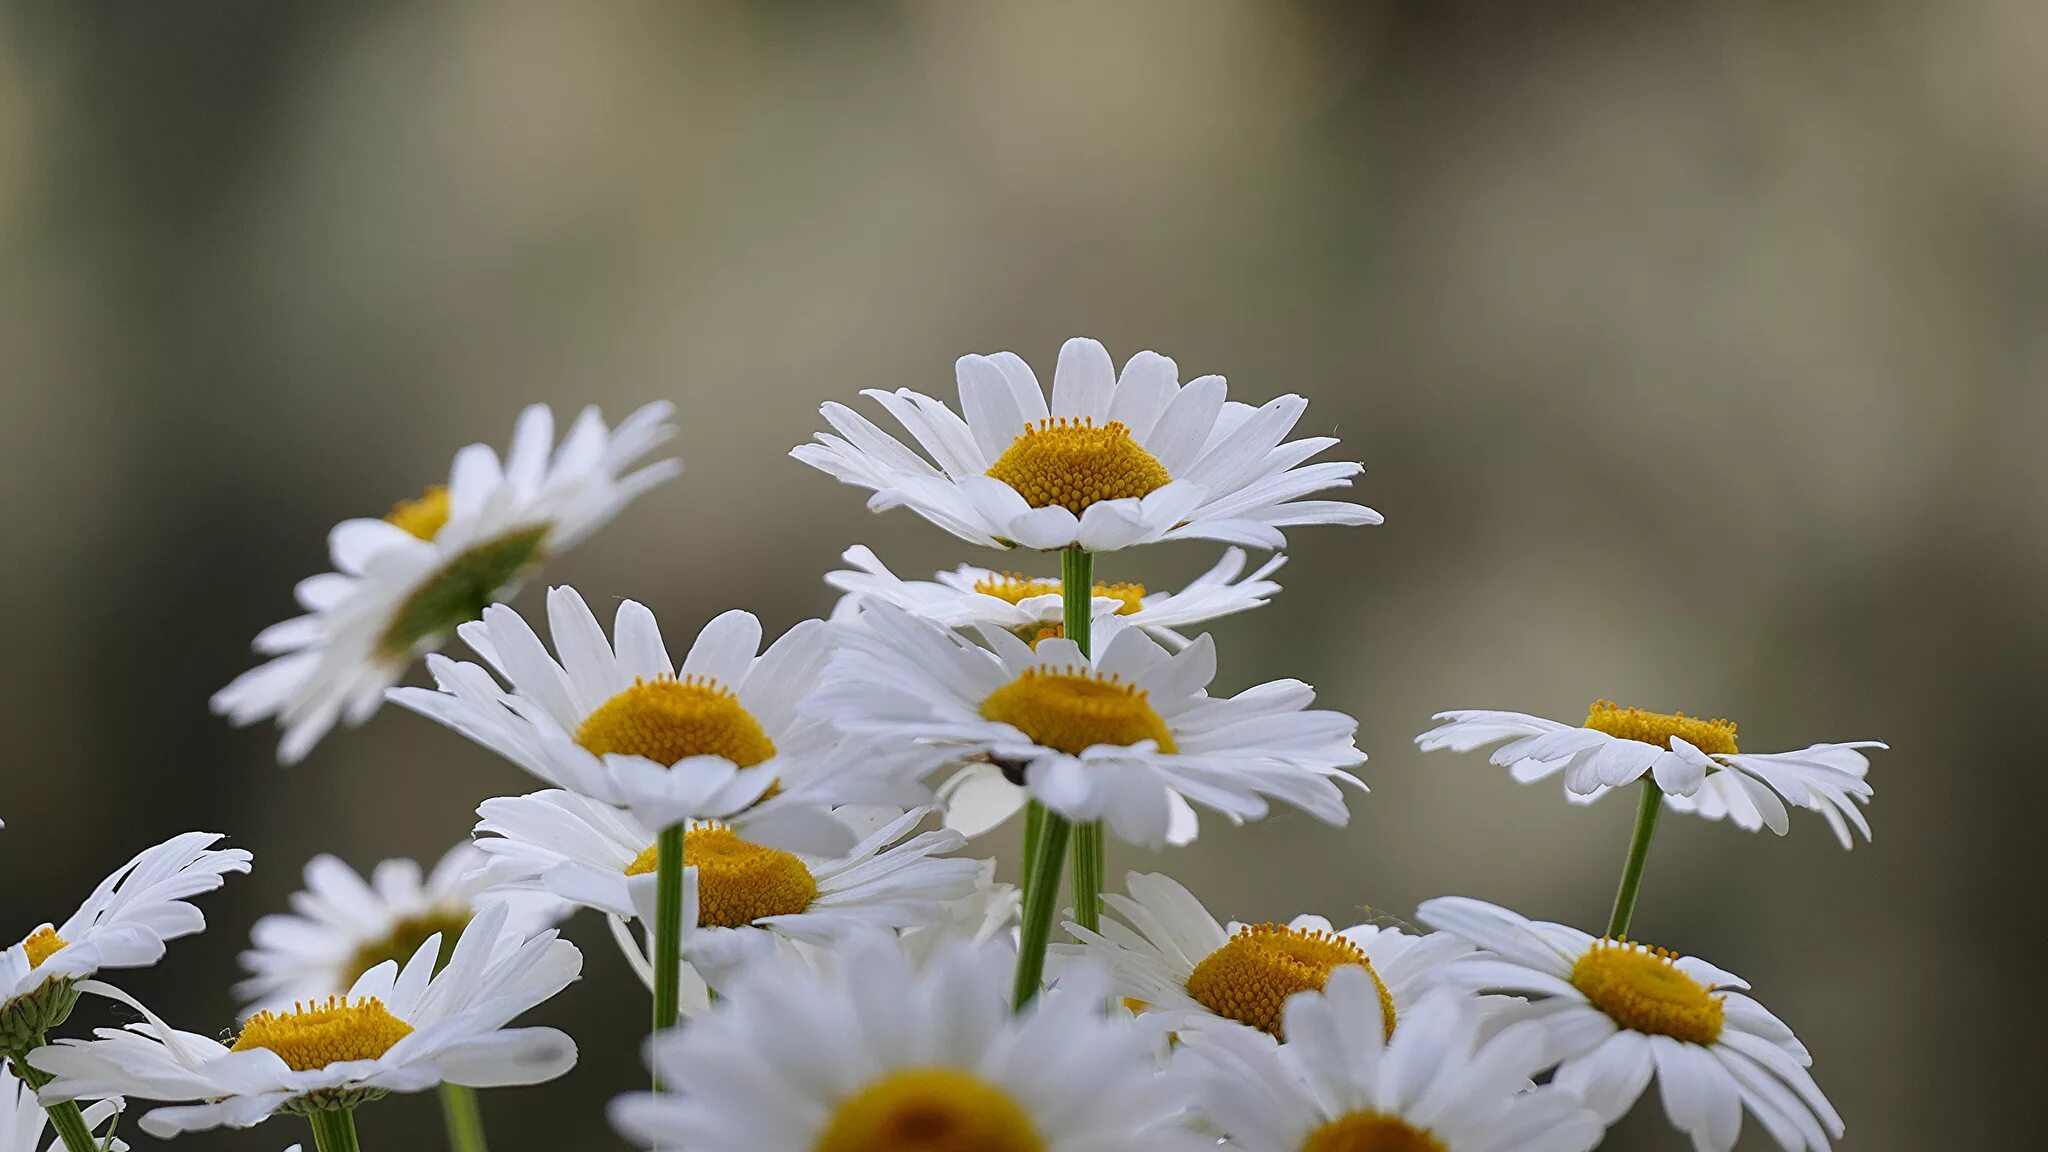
775 833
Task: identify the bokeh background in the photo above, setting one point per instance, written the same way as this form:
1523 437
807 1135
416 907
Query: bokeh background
1696 352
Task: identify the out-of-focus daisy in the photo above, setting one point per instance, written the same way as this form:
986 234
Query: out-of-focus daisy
968 597
1110 739
1339 1085
1619 1012
342 924
596 856
1170 955
402 584
123 924
875 1054
22 1119
1694 762
397 1030
1111 462
718 738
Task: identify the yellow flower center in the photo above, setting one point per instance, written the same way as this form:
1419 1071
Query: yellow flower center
738 881
666 720
1073 463
1371 1132
315 1035
929 1110
405 939
1012 587
1074 710
42 944
1250 978
422 517
1714 737
1642 990
460 591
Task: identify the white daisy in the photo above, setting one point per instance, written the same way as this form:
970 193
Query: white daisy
1112 739
342 925
718 738
1694 762
1620 1012
597 856
875 1054
22 1119
1433 1086
980 798
1113 461
968 597
402 584
123 924
1170 955
397 1030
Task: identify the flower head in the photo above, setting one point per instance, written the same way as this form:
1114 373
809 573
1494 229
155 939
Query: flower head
396 1030
1695 762
402 584
1111 461
1112 739
1619 1013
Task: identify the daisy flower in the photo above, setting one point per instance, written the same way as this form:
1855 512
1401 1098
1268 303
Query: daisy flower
1170 955
402 584
598 856
1338 1083
1620 1012
22 1119
397 1030
123 924
874 1053
343 924
968 597
1110 739
1111 462
1694 762
717 738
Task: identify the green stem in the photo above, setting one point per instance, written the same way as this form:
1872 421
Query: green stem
1034 829
1043 887
464 1118
334 1130
1077 619
668 928
1088 875
65 1116
1638 855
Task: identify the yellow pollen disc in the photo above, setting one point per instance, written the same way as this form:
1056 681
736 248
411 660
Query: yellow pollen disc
315 1035
1642 990
1371 1132
1073 463
666 719
1250 978
1012 587
1073 711
405 939
1714 737
738 881
42 944
929 1110
422 517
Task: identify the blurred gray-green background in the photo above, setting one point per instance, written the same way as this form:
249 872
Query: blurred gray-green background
1696 352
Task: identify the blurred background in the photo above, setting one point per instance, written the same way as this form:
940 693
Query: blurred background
1695 351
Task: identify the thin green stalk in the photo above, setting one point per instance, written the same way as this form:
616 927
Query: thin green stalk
1077 618
334 1130
1039 905
65 1117
1638 855
668 928
1034 828
464 1117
